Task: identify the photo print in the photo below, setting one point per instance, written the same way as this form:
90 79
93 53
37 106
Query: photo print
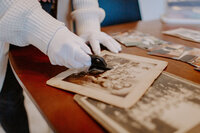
172 104
136 38
121 86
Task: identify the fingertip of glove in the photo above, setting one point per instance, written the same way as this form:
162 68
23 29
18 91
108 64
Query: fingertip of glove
97 52
114 50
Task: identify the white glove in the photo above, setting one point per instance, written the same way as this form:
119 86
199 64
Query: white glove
88 16
97 37
67 49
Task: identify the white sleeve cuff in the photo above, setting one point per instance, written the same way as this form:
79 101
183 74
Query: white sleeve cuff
88 20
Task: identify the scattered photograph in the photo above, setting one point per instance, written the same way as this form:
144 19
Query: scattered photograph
184 33
136 38
190 55
196 62
169 50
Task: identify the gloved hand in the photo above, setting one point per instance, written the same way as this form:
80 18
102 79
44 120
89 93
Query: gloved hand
67 49
96 38
88 16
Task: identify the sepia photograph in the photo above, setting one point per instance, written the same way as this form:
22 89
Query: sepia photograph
136 38
172 104
129 78
169 50
184 33
196 61
190 55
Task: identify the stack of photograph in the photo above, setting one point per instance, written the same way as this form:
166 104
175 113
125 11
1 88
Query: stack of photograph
171 104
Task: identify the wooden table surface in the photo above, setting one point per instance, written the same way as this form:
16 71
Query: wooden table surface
57 106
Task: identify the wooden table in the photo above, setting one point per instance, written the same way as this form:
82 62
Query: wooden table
57 106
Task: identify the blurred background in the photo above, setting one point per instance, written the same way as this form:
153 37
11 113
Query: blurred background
169 11
121 11
182 11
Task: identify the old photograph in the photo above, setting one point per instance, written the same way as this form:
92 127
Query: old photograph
136 38
172 104
121 86
169 50
190 55
188 34
196 61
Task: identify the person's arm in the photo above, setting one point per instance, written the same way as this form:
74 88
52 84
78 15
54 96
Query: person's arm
24 22
88 17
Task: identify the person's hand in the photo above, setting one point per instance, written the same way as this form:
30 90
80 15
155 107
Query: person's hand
88 17
67 49
97 38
